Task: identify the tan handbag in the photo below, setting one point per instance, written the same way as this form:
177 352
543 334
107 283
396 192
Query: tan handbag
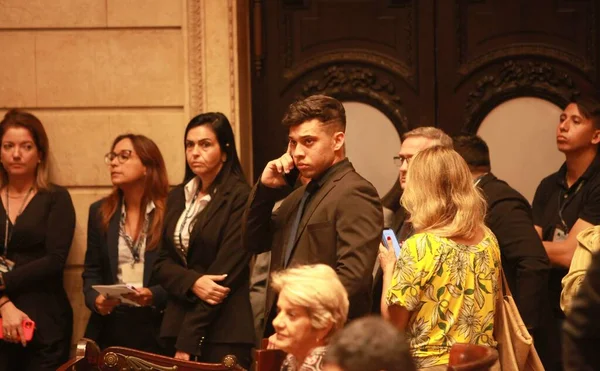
515 345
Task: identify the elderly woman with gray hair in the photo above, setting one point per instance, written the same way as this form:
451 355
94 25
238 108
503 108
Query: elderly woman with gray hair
312 306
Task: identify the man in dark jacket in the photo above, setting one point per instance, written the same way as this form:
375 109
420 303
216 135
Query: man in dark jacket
336 219
524 260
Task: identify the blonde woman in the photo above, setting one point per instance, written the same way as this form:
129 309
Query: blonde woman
441 290
312 306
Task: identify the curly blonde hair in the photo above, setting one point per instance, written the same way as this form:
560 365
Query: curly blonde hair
440 195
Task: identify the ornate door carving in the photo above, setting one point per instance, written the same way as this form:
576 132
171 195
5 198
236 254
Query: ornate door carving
378 52
492 50
444 63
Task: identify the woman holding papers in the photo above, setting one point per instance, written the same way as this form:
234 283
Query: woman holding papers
202 264
124 232
37 221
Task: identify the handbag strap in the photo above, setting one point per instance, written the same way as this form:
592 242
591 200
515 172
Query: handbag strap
504 288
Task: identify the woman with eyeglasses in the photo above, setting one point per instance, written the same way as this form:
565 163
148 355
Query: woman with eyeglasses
124 231
37 222
202 264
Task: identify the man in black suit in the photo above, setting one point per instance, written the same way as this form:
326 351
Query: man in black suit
524 260
336 219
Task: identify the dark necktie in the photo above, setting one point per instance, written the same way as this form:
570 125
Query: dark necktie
294 231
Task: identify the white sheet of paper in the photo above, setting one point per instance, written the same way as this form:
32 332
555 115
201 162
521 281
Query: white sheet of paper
116 292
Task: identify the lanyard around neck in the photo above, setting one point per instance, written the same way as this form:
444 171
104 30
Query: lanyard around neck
562 205
134 246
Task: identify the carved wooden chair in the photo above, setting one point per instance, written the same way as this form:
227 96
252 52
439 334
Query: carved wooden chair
86 357
268 359
125 359
472 357
89 358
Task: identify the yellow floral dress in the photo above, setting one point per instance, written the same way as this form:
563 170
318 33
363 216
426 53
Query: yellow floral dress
450 290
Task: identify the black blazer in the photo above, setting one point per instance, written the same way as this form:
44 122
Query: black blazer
101 263
341 227
524 259
214 249
39 246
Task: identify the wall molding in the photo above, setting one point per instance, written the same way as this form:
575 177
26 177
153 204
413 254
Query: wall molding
195 25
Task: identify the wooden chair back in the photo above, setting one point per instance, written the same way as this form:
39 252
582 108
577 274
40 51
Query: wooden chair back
471 357
126 359
88 357
268 359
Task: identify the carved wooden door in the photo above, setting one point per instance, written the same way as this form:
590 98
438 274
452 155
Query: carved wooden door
443 63
378 52
489 51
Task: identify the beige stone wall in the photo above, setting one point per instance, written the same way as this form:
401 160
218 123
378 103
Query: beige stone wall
92 69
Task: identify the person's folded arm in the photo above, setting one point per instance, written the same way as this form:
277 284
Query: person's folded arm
561 252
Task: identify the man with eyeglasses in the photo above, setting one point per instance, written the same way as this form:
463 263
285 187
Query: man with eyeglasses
412 142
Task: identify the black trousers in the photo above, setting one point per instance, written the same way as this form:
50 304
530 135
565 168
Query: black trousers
133 327
36 356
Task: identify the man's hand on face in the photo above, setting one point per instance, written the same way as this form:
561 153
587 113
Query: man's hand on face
273 175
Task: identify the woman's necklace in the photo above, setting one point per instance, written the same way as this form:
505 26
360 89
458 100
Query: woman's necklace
6 238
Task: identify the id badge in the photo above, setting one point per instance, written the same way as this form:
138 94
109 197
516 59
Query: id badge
559 235
133 274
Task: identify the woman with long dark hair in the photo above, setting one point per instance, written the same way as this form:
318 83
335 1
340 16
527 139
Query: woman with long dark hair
202 264
124 230
37 222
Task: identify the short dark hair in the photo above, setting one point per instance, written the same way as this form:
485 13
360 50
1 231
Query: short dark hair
328 110
220 125
474 150
369 344
589 107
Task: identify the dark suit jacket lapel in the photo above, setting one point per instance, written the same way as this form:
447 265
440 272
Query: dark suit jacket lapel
177 208
112 239
211 208
218 198
149 258
317 199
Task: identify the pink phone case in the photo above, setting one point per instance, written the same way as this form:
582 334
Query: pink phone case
28 327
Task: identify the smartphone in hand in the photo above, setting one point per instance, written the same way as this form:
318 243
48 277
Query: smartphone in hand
28 327
292 177
389 240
